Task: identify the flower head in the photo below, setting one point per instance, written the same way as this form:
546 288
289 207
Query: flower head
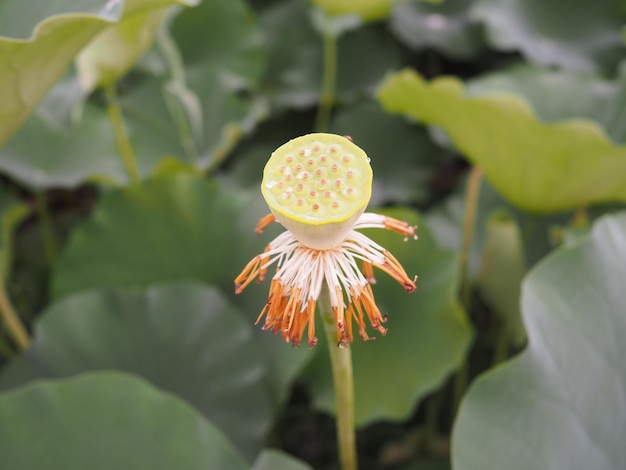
318 186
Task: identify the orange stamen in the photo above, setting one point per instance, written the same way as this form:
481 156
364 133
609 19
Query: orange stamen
340 319
311 319
401 227
275 294
293 306
249 273
287 314
368 272
373 313
393 267
300 323
263 269
359 317
264 222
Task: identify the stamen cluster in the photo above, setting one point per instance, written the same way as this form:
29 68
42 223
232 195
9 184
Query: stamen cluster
347 271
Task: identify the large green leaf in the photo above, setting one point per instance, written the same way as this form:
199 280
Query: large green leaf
577 35
539 167
114 51
427 339
274 460
184 338
43 155
44 47
168 228
107 420
555 95
176 228
446 27
429 463
562 403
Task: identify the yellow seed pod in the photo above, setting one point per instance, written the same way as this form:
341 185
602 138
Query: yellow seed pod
317 186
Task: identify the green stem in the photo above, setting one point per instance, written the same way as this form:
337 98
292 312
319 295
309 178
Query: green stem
11 320
328 85
45 225
121 138
341 362
471 205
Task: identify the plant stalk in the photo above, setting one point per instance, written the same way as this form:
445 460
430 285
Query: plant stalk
45 225
121 137
341 362
327 99
11 320
471 205
469 221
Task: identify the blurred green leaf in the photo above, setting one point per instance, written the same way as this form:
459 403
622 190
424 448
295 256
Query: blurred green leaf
539 167
107 420
49 152
427 339
116 49
402 156
177 228
561 403
501 272
446 27
274 460
167 228
184 338
44 154
575 35
431 463
33 63
41 155
555 95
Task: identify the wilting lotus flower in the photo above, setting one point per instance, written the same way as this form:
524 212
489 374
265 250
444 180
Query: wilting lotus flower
318 186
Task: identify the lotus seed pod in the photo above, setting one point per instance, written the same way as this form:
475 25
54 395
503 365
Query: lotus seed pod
317 186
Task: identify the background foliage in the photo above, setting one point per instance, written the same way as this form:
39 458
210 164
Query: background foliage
501 116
